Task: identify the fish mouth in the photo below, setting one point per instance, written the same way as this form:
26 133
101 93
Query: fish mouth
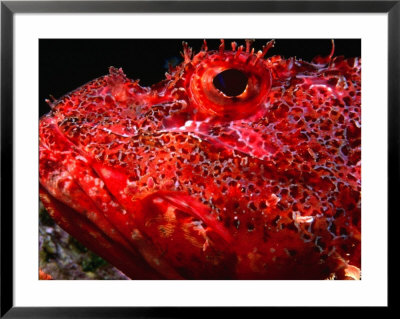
173 233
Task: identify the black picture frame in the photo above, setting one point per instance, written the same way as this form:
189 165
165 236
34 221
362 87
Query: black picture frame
9 8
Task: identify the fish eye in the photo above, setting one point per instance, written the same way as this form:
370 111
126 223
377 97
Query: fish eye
228 85
231 82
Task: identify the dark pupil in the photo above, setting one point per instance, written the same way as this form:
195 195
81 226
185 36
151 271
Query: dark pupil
231 82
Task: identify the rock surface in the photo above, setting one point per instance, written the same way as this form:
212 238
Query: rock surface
64 258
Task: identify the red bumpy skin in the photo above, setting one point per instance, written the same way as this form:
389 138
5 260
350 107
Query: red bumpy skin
186 179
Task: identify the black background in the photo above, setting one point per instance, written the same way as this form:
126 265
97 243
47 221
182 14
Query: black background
66 64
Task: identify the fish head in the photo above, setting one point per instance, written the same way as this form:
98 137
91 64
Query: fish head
234 166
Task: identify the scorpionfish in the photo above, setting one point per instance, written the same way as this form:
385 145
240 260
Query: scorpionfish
235 166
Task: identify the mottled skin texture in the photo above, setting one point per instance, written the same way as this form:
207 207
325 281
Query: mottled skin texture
181 181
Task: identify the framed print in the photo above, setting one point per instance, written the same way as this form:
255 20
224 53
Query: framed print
194 154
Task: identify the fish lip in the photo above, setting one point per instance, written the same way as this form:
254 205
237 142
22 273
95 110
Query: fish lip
194 208
194 242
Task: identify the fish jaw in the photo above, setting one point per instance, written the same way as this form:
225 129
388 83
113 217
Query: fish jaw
90 201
